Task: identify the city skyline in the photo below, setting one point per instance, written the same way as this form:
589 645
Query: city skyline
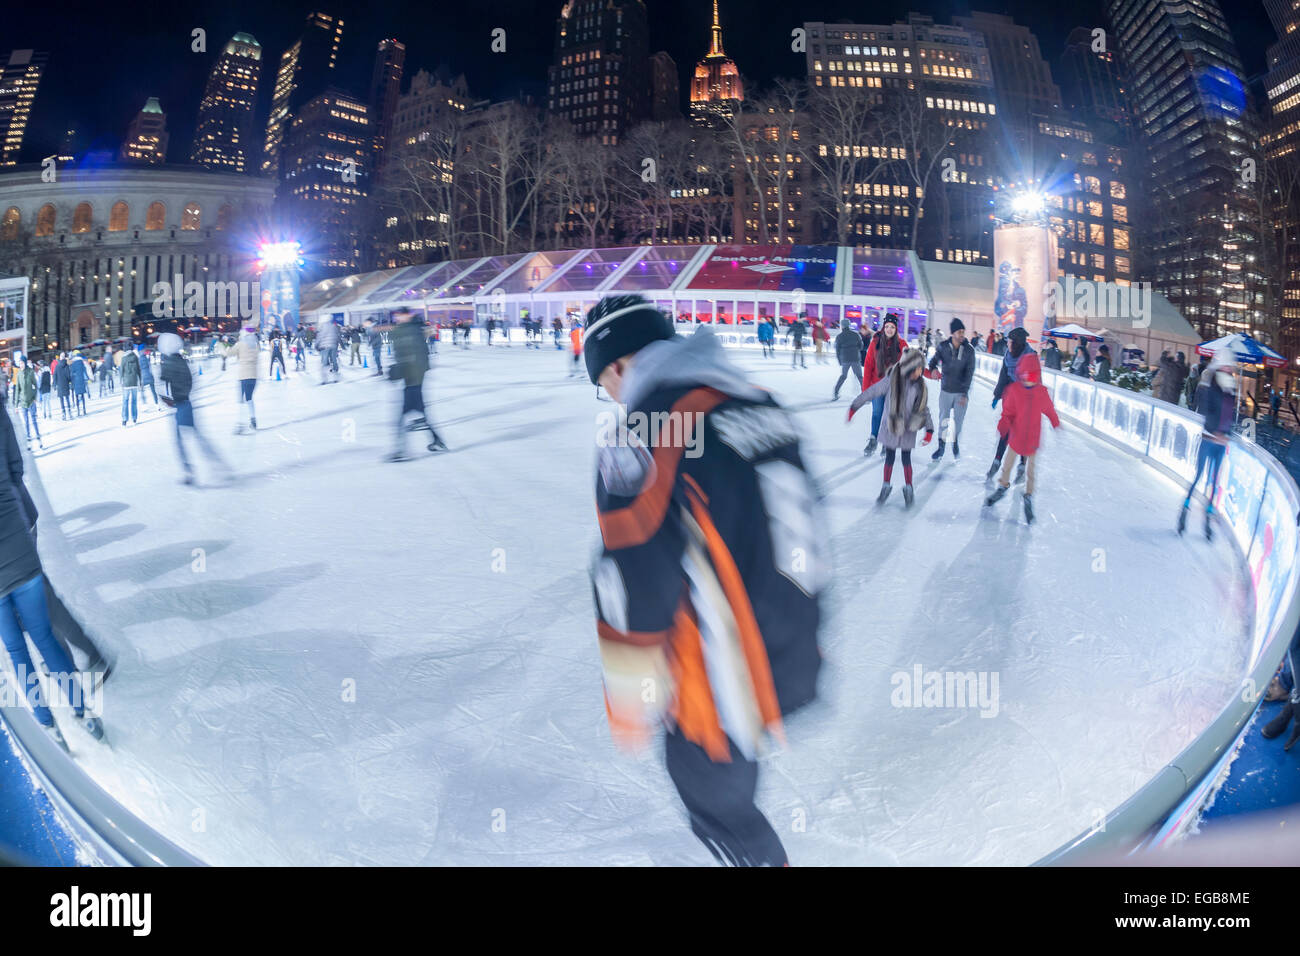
74 93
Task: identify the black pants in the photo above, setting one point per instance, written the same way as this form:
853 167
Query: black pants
65 404
277 357
798 357
845 368
719 799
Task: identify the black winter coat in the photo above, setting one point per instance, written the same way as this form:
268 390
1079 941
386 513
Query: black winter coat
958 366
176 376
63 379
848 347
19 562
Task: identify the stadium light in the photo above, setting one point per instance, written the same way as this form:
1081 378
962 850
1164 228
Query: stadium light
279 255
1028 206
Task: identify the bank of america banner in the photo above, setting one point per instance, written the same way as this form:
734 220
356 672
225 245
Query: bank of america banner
769 269
1024 270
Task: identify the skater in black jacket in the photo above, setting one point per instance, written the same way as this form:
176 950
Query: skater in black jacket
698 521
956 357
848 351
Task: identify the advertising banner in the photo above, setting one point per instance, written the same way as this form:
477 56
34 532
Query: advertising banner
280 298
769 269
1024 272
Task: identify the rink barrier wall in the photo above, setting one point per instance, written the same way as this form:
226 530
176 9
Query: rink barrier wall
102 828
1259 505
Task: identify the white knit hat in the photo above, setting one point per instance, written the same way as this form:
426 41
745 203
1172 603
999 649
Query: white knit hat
169 343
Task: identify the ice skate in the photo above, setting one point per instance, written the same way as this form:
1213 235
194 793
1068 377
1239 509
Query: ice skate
956 450
908 496
1029 509
397 456
1209 526
938 452
1182 519
871 446
1020 473
994 498
1278 725
884 494
993 469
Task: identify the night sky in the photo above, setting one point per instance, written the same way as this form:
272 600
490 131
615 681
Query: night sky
107 58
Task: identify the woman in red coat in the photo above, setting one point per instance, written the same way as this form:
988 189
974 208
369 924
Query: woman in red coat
883 353
1024 404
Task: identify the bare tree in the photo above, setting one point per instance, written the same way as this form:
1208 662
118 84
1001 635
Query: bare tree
848 154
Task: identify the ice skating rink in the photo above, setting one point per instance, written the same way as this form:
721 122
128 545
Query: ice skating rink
337 660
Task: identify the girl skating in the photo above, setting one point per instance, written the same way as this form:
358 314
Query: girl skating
906 411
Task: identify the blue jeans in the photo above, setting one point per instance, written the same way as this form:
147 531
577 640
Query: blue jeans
877 413
29 420
1208 459
128 396
24 607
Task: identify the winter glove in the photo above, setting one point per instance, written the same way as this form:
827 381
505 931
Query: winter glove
929 436
995 404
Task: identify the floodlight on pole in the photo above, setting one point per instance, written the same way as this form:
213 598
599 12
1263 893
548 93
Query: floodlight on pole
279 255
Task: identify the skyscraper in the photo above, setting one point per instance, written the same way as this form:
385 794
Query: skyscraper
306 69
1281 145
665 100
716 90
326 173
146 137
935 84
385 87
20 75
599 78
1021 76
223 137
1197 128
1093 79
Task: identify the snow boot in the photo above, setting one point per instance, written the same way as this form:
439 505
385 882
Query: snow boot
956 450
938 452
1020 472
1029 509
994 498
908 496
993 469
884 494
1182 520
871 446
1278 725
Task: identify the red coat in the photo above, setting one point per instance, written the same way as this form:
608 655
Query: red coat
869 375
1024 403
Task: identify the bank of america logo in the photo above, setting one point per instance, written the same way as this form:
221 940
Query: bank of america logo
769 267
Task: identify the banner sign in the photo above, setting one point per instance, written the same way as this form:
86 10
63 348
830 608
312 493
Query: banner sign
769 268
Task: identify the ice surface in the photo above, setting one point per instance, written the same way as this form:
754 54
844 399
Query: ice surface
451 591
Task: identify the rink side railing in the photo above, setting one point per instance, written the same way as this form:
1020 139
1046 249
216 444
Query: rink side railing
103 830
1259 504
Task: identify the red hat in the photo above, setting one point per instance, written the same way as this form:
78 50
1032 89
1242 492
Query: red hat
1028 370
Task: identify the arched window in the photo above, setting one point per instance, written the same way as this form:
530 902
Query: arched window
224 215
156 216
45 220
9 225
190 216
81 217
118 216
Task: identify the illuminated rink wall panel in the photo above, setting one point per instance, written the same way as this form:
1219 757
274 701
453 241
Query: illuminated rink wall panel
1258 502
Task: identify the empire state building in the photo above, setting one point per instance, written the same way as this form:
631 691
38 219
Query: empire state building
716 90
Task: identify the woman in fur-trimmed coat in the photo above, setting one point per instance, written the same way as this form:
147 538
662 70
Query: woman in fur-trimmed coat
907 411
